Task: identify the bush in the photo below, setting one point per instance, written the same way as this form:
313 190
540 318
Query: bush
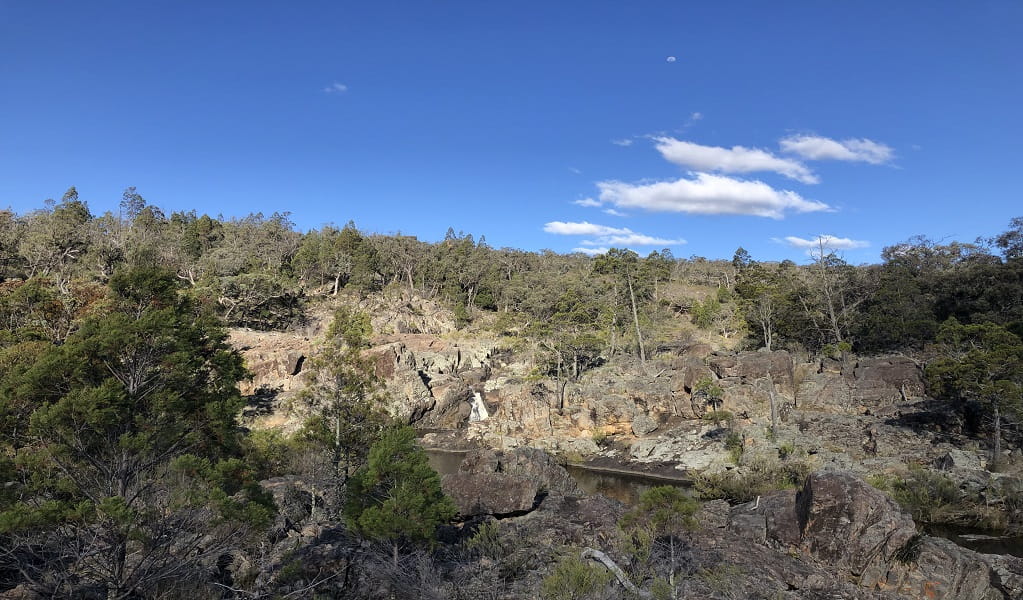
928 496
575 579
755 479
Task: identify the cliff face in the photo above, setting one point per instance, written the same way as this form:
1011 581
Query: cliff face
868 415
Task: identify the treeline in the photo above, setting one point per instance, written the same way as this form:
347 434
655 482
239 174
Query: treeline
258 271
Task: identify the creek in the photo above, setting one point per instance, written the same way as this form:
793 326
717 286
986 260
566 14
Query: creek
627 487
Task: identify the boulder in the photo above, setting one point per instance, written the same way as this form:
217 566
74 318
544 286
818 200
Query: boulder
528 463
941 570
849 524
954 460
643 424
494 493
898 372
758 365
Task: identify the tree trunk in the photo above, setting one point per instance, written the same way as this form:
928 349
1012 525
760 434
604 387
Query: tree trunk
774 406
996 442
635 318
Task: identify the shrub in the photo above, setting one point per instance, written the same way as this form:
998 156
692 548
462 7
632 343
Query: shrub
755 479
574 579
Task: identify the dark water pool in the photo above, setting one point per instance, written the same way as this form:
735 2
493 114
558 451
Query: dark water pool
988 542
624 487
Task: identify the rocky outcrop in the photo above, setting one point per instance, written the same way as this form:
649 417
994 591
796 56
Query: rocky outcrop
856 386
498 494
506 483
850 525
844 523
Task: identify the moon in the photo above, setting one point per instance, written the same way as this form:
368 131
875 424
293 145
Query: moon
672 59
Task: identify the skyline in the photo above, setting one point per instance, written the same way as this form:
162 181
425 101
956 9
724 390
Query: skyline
700 128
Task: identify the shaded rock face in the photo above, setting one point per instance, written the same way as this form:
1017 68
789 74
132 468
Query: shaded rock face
849 524
859 531
530 463
868 383
945 571
751 366
498 494
506 483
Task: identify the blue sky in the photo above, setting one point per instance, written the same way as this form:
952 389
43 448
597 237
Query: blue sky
700 126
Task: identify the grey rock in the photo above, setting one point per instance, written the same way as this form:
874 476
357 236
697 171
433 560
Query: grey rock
643 424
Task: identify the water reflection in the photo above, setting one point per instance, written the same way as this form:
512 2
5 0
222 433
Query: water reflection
624 487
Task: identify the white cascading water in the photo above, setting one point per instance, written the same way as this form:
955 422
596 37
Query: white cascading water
479 410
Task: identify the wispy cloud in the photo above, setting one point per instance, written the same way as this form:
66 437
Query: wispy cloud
625 142
696 116
336 88
614 213
707 195
633 239
605 236
828 243
737 159
588 202
591 251
812 147
575 170
582 228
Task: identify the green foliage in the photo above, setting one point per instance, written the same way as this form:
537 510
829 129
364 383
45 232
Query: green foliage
754 478
735 446
397 496
981 365
930 497
346 418
719 418
131 434
663 510
708 391
487 541
574 579
705 313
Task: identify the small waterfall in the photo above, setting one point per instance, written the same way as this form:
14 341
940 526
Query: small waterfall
479 410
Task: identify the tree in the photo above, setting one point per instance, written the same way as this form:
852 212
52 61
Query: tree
623 264
127 477
396 497
982 367
661 521
346 421
761 294
1011 241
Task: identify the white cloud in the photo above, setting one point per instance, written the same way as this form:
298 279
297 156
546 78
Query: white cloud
708 195
607 236
575 170
622 142
588 202
638 239
829 243
696 116
614 213
583 228
737 159
336 88
814 147
591 251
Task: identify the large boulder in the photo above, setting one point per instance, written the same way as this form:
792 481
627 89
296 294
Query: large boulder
849 524
897 372
941 570
499 494
529 463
